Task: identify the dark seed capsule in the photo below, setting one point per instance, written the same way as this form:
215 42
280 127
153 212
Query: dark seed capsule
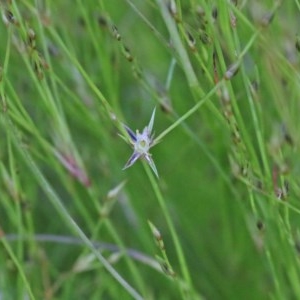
297 246
260 225
31 38
288 139
215 13
167 270
297 44
127 54
102 21
115 33
259 185
25 205
10 17
165 105
81 22
191 41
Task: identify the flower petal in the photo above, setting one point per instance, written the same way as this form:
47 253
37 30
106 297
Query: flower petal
130 133
133 158
151 164
150 125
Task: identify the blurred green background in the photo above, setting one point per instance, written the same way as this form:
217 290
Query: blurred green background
223 75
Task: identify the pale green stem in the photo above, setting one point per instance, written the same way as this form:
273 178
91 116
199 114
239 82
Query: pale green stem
19 267
178 46
188 113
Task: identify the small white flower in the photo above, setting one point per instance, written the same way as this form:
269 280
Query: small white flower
141 143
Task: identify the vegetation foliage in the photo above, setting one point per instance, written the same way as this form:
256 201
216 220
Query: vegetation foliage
218 218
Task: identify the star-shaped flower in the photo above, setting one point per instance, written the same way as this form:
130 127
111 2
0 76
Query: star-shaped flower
141 143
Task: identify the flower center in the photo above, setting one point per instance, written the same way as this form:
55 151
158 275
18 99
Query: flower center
142 144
